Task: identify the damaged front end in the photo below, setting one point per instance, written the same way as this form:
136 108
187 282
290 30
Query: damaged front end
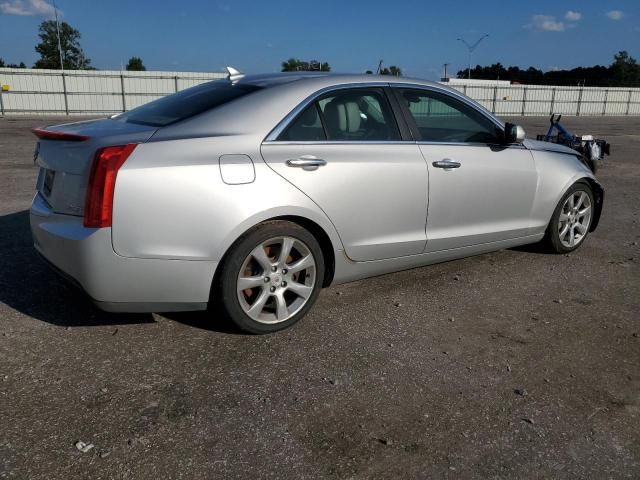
592 150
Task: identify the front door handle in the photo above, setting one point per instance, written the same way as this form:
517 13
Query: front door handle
306 161
446 164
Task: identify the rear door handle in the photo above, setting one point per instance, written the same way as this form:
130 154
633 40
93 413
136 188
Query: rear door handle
446 163
306 161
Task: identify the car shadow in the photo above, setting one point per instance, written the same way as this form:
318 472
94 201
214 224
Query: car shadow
538 248
29 285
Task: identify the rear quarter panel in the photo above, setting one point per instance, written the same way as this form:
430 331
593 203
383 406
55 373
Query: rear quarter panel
171 201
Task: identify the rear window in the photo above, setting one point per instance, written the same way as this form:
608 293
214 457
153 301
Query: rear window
187 103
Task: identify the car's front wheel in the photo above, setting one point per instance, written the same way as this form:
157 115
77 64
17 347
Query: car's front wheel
271 277
571 220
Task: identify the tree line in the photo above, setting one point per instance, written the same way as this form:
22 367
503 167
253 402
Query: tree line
624 71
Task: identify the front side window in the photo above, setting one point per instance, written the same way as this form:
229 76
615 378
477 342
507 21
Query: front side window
442 118
346 115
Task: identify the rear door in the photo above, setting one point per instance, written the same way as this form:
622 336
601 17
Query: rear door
480 190
346 152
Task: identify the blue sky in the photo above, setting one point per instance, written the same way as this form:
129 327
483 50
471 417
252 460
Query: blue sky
255 36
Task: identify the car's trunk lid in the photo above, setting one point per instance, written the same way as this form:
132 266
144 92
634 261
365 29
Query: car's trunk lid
65 154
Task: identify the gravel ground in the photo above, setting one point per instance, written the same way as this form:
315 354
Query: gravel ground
514 364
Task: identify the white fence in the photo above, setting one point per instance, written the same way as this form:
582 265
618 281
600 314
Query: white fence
101 92
538 100
90 92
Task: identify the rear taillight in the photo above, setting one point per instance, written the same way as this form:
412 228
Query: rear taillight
53 135
98 207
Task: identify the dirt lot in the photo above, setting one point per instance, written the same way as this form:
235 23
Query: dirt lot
514 364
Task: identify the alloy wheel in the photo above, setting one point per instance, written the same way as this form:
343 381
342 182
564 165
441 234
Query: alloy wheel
276 280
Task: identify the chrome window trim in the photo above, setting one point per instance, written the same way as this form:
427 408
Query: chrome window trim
340 142
272 137
385 142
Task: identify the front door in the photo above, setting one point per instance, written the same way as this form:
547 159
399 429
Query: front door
346 153
480 190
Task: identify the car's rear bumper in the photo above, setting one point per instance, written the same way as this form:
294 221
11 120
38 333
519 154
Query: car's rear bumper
116 283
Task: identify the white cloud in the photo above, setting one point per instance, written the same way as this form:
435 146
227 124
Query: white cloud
615 15
27 8
547 23
572 16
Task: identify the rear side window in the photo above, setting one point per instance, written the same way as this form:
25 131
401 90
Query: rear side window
187 103
347 115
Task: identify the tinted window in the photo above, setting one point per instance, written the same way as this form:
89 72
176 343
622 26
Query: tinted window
306 128
358 115
186 103
441 118
354 114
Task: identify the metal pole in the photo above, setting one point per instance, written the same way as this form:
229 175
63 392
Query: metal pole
175 83
64 91
55 10
495 97
124 98
579 103
469 64
553 101
604 105
524 100
629 102
1 102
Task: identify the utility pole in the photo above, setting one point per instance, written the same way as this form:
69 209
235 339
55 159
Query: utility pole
55 10
471 49
379 67
445 71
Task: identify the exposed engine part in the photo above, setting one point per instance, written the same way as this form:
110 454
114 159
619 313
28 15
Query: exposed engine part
592 149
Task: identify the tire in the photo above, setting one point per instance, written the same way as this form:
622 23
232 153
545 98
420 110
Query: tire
576 208
274 299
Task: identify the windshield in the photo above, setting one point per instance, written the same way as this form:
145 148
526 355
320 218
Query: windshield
187 103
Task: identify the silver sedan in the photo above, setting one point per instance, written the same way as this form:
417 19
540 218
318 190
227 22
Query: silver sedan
252 193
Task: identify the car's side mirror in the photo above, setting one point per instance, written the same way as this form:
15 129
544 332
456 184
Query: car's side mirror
513 133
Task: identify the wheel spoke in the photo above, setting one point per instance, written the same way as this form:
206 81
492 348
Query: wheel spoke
584 211
564 217
300 289
564 231
287 245
571 201
258 305
245 283
304 262
581 200
261 257
282 311
572 238
582 228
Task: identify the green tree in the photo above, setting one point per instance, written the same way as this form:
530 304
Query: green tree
297 65
72 53
392 70
625 70
135 64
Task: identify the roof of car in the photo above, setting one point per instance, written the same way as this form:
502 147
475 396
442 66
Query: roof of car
273 79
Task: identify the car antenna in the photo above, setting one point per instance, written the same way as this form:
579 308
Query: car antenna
234 74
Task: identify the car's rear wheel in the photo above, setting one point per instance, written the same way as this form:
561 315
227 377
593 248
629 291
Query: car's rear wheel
271 277
571 219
